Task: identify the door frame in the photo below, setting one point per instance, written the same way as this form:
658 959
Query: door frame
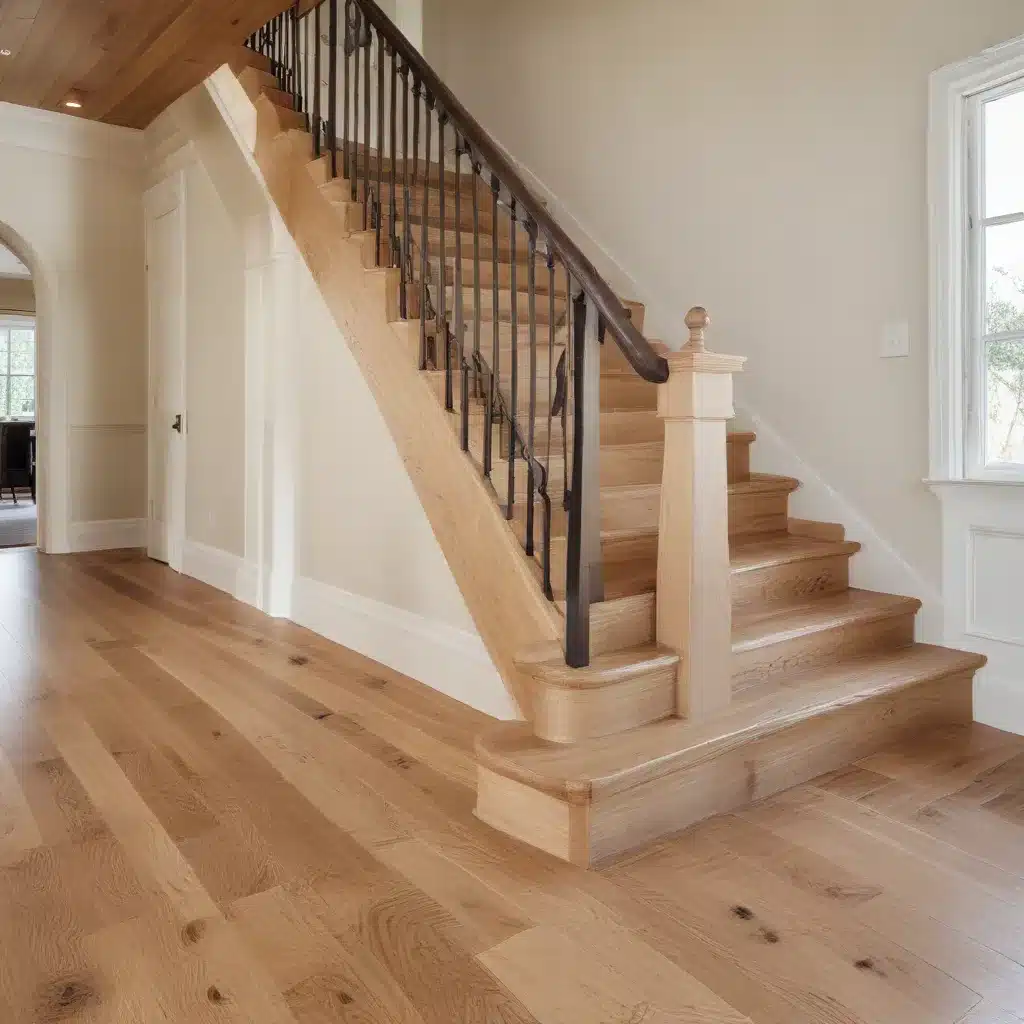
163 199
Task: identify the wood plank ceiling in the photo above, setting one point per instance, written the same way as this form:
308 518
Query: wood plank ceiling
128 59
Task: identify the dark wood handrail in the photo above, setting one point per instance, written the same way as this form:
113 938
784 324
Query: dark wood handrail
636 348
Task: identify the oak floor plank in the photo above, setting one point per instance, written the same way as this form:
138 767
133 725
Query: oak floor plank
210 816
602 975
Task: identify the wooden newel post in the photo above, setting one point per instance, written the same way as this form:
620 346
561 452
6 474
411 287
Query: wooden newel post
694 614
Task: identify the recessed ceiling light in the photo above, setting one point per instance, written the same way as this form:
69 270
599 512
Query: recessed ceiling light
74 100
5 53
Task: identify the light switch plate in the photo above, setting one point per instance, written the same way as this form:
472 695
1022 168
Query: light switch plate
896 340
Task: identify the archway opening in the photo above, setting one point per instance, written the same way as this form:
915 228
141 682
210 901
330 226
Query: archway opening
19 517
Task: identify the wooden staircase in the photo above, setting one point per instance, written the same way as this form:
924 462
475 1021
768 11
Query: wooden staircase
615 754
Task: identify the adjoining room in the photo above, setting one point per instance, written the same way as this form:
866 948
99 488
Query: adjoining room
18 511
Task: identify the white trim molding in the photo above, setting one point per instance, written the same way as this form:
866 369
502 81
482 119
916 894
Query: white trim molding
983 586
107 534
450 660
222 570
54 132
950 89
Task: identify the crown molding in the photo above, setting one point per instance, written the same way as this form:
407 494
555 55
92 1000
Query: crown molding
53 132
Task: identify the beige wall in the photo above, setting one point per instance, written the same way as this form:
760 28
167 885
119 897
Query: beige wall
17 295
765 158
215 368
71 209
360 525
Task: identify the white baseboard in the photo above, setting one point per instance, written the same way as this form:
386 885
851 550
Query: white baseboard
450 660
221 569
107 534
999 702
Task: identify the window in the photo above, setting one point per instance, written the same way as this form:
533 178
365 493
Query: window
17 369
994 363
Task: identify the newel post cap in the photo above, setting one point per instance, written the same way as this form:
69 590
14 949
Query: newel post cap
698 321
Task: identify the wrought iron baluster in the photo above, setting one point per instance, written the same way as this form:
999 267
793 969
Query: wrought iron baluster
428 105
531 422
415 132
354 165
477 309
577 595
460 326
332 86
513 362
393 246
441 330
317 128
300 64
367 193
492 382
378 193
548 590
405 246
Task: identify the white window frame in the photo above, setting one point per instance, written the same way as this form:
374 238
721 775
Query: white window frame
955 161
12 321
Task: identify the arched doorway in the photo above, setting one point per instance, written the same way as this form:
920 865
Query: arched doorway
18 510
24 326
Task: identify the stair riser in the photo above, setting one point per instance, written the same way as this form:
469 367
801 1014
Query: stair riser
589 834
738 461
628 392
522 307
639 553
289 118
758 512
616 625
504 278
793 581
355 222
619 467
434 242
564 715
824 647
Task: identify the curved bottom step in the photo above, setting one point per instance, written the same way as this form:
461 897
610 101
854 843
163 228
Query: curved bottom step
596 800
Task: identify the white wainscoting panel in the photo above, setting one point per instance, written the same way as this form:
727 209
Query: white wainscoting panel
983 591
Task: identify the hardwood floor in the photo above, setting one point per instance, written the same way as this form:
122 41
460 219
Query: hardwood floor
208 815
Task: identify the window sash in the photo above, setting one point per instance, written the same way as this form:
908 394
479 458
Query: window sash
977 337
5 367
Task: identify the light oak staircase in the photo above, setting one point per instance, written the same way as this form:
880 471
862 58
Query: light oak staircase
729 657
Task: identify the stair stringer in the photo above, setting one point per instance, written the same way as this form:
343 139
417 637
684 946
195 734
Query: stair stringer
497 580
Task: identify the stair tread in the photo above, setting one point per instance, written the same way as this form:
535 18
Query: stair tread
770 625
764 482
604 669
614 763
764 550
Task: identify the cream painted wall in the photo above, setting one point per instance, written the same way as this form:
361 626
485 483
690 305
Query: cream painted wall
765 158
321 523
214 368
71 209
17 295
360 524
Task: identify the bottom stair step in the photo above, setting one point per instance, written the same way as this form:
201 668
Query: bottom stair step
601 798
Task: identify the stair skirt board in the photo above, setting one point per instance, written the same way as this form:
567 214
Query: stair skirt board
589 832
452 661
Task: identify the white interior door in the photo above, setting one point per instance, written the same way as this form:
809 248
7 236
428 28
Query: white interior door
165 277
